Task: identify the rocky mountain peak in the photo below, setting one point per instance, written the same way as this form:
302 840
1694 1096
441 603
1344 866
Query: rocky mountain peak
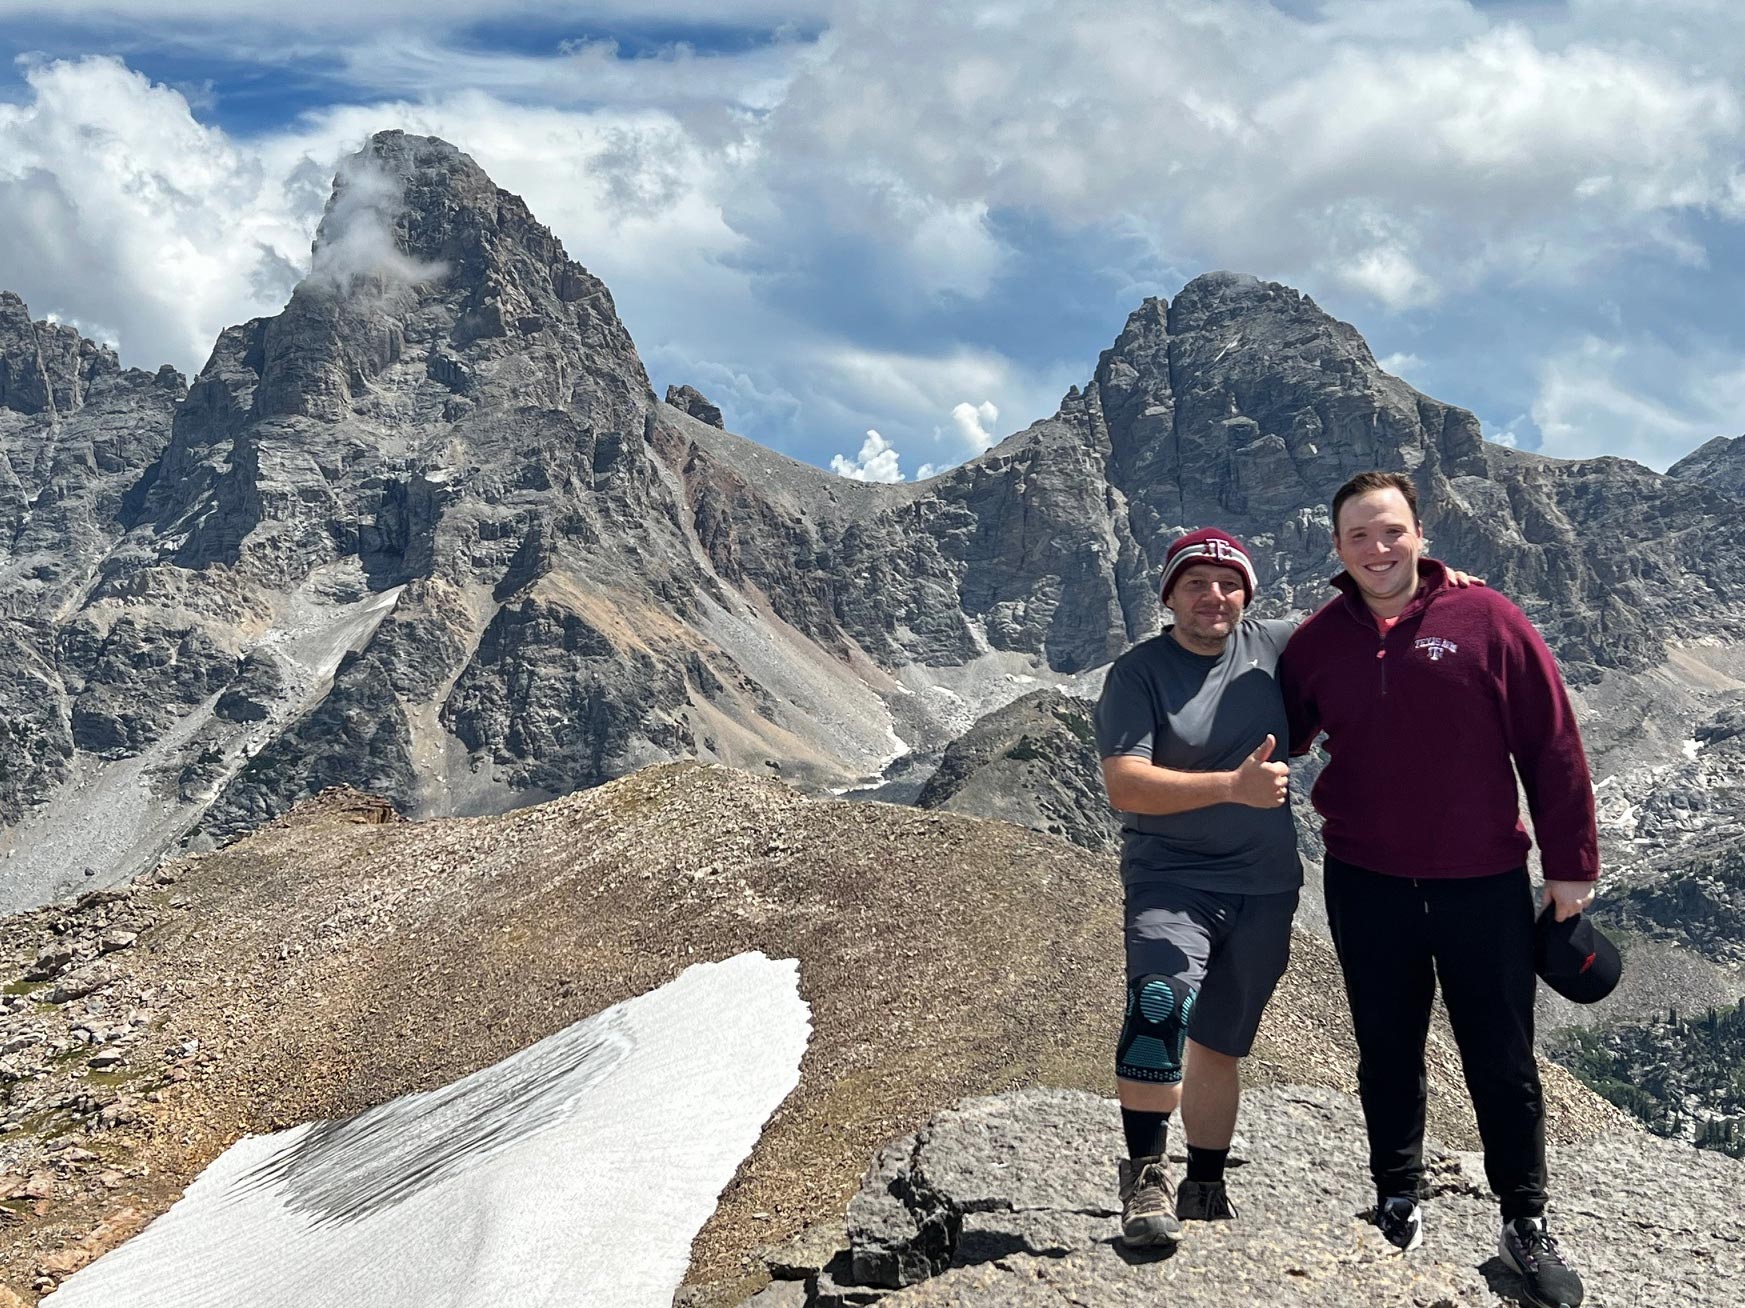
437 314
407 198
421 260
1241 402
48 368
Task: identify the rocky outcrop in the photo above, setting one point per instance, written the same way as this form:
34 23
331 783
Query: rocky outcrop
688 399
358 730
1033 762
1010 1200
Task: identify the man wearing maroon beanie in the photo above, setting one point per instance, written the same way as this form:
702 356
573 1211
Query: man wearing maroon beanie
1432 697
1191 731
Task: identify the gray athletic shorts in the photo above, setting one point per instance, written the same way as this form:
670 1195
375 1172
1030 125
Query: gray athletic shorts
1231 948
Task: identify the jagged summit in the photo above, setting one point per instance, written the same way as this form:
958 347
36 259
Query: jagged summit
48 368
422 263
414 210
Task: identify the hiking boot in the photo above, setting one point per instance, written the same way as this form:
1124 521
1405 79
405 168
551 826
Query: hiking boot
1529 1248
1401 1222
1147 1203
1204 1201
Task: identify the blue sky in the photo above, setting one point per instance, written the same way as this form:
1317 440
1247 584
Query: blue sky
925 221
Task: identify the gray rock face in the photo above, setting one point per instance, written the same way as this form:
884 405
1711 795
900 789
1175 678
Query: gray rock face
1678 830
1032 1175
77 432
1033 762
258 684
358 730
1719 464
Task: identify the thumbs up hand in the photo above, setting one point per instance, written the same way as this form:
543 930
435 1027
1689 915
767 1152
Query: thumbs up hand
1261 784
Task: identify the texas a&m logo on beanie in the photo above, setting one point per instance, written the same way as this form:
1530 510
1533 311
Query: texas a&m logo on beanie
1207 545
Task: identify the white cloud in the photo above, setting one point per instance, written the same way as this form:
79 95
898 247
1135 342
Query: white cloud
754 211
1517 433
1333 153
877 461
358 234
974 423
1387 274
1640 400
120 209
1401 364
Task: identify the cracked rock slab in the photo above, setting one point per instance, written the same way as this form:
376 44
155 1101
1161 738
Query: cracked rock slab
1647 1221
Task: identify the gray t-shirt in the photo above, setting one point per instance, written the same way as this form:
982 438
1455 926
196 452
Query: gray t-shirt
1203 713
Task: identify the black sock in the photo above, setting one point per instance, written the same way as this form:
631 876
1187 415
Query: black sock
1147 1133
1206 1164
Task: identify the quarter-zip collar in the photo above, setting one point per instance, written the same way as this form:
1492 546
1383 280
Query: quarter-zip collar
1432 578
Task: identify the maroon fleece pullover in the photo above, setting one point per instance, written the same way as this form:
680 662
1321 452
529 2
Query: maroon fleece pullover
1421 725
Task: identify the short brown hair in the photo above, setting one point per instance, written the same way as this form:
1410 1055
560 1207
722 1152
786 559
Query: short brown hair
1365 482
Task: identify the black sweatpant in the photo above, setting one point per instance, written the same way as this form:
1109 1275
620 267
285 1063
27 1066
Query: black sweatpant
1396 937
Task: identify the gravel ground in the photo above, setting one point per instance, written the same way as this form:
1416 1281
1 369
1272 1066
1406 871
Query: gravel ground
337 959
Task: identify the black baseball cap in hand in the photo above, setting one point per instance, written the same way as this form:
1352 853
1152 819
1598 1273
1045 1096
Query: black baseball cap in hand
1574 957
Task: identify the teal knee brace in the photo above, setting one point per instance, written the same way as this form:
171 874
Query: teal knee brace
1156 1028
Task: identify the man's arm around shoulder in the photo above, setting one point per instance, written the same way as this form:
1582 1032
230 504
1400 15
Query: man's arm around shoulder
1301 711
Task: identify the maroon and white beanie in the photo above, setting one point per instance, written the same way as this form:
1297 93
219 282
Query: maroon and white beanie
1207 545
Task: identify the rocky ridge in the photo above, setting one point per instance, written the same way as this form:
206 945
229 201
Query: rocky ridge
338 958
76 432
1006 1202
1033 762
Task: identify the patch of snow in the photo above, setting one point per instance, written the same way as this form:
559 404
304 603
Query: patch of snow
574 1172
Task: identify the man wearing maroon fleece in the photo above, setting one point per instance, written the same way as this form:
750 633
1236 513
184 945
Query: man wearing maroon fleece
1432 697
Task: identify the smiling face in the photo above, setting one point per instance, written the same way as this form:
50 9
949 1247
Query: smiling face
1378 540
1207 600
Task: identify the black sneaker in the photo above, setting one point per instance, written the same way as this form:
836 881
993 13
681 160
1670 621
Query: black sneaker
1528 1247
1204 1201
1148 1204
1401 1222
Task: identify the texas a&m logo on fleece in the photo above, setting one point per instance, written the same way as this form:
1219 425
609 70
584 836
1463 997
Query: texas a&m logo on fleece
1436 647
